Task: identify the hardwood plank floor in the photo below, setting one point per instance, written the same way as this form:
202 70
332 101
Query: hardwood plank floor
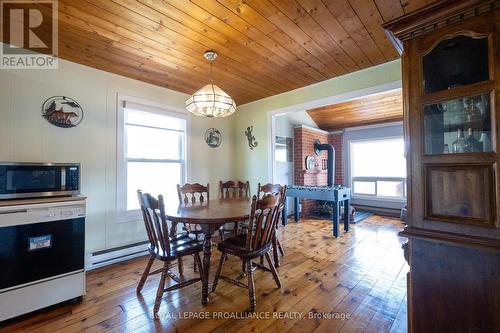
352 284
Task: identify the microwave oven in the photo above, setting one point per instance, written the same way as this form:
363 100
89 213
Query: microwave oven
32 180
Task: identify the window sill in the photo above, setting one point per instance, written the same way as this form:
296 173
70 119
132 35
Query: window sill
370 197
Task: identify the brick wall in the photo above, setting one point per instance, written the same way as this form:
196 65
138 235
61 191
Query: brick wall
304 146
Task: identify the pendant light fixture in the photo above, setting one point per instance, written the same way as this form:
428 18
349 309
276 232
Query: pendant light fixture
211 101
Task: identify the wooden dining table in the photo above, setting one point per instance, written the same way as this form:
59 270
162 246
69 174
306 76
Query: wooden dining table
210 216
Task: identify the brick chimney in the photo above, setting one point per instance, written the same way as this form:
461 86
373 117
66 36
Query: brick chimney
304 138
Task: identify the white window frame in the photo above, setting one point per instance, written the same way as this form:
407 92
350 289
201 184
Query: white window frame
123 215
350 176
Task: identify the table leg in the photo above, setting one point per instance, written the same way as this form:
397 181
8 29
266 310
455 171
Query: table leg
207 253
336 218
346 215
296 213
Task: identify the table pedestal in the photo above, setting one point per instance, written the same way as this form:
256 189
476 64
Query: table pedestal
208 230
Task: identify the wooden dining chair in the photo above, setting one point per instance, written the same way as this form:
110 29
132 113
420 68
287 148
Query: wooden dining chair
257 242
269 189
164 247
232 190
191 194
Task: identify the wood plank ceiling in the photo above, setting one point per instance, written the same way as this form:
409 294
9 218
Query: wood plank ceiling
374 109
265 47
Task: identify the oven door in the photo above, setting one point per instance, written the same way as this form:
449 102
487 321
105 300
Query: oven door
31 180
32 252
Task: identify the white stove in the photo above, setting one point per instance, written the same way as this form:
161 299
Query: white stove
42 251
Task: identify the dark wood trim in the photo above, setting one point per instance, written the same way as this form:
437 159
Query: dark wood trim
435 17
459 92
448 237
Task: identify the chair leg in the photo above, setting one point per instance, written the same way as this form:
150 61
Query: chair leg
221 233
161 287
273 270
275 251
244 267
217 273
251 286
195 267
145 273
180 265
280 247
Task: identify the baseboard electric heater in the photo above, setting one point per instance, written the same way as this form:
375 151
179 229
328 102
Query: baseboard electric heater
115 255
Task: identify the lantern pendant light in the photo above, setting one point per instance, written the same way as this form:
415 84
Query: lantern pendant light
211 101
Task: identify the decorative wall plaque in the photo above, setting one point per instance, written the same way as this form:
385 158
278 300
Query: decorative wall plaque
310 162
62 111
213 137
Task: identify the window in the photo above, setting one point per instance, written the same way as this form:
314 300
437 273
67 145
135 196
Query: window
378 168
154 150
283 149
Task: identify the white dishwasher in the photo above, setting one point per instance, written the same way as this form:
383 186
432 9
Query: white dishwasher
42 251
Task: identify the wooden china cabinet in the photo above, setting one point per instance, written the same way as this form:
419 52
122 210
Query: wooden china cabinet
451 91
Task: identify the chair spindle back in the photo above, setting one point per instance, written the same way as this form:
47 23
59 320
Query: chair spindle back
268 188
193 192
231 189
263 219
153 212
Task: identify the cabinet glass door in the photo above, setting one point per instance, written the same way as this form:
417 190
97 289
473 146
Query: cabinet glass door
461 125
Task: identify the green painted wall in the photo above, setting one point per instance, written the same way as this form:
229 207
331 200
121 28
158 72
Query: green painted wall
252 165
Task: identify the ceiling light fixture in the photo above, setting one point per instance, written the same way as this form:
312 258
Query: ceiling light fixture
211 101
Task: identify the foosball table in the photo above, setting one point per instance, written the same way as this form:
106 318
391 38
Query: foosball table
338 195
